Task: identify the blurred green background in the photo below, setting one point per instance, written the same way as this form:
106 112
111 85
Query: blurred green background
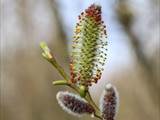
133 65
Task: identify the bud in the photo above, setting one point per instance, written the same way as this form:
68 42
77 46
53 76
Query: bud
89 47
74 104
46 51
109 103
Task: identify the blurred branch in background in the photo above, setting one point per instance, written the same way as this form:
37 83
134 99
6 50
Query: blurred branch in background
126 18
59 25
59 21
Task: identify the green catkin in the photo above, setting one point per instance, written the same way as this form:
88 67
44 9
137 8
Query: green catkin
89 47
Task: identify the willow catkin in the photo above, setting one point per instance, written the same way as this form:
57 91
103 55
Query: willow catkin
89 47
74 104
109 103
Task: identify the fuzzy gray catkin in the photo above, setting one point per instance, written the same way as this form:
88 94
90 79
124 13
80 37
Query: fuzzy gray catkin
74 104
109 102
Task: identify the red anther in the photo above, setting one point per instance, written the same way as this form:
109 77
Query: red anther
105 32
82 13
79 17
